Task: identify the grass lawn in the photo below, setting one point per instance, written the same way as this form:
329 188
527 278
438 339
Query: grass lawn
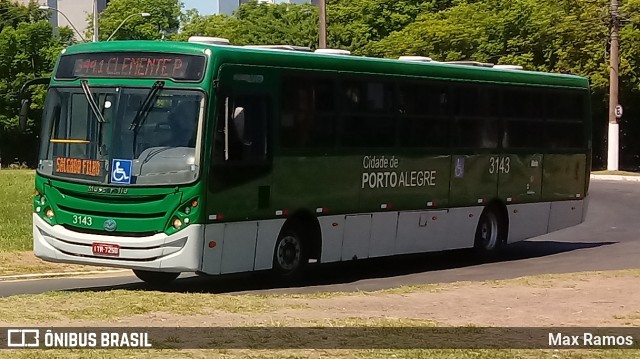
16 193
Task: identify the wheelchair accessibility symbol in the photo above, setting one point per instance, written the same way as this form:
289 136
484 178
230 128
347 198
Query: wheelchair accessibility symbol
121 171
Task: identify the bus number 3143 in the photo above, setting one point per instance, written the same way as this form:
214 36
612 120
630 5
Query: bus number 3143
499 164
85 220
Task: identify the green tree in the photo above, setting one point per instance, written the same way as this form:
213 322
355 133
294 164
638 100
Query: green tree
215 25
256 23
28 49
164 19
269 24
560 36
351 25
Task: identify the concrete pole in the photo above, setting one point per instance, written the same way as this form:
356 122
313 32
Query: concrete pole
614 131
323 24
95 21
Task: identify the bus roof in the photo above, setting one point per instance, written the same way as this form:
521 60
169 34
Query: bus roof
328 62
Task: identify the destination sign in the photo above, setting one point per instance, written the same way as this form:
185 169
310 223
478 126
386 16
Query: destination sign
177 67
78 166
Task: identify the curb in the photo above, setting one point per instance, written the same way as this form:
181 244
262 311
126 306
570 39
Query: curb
57 275
616 178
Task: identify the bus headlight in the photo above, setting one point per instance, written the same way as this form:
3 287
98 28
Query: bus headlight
49 213
183 216
43 200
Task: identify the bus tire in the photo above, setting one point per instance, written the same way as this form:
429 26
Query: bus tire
155 278
291 254
489 236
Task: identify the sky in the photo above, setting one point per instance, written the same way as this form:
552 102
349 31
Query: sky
205 7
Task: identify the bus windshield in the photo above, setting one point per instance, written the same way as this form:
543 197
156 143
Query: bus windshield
123 136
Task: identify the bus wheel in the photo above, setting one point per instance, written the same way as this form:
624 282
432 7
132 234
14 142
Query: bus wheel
155 278
488 234
290 255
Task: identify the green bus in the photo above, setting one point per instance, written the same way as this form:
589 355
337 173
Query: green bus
171 157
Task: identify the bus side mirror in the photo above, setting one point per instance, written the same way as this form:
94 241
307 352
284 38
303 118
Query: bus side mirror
24 111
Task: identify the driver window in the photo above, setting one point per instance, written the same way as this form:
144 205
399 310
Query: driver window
247 133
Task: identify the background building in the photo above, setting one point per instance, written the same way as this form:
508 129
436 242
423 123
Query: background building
227 7
76 10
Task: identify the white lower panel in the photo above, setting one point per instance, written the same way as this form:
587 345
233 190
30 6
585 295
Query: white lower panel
239 248
268 232
565 214
527 220
357 232
383 234
421 231
463 223
332 228
412 227
212 256
438 228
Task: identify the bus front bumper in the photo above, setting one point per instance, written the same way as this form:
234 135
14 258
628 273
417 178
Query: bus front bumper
179 252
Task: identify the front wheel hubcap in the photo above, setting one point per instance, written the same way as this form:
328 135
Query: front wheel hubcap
288 252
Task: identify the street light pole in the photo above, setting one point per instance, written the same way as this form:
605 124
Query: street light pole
95 21
45 7
323 24
614 130
143 14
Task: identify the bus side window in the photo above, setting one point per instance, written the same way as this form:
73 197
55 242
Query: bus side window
475 117
523 114
564 122
307 112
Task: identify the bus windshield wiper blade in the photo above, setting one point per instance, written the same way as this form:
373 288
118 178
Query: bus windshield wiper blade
146 106
91 100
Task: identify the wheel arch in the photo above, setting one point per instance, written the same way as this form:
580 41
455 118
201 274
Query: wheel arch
308 223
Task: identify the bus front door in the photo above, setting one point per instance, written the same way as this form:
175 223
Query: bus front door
239 188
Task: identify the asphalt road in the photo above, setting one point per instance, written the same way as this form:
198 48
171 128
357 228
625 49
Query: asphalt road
609 239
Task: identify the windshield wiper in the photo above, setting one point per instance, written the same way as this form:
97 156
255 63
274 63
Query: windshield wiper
143 112
91 100
146 106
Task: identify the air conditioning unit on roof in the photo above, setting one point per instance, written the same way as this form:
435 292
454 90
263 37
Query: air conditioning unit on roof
209 40
332 52
415 58
280 47
508 67
469 63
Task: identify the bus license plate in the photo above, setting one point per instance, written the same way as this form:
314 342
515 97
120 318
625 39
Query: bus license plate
105 249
